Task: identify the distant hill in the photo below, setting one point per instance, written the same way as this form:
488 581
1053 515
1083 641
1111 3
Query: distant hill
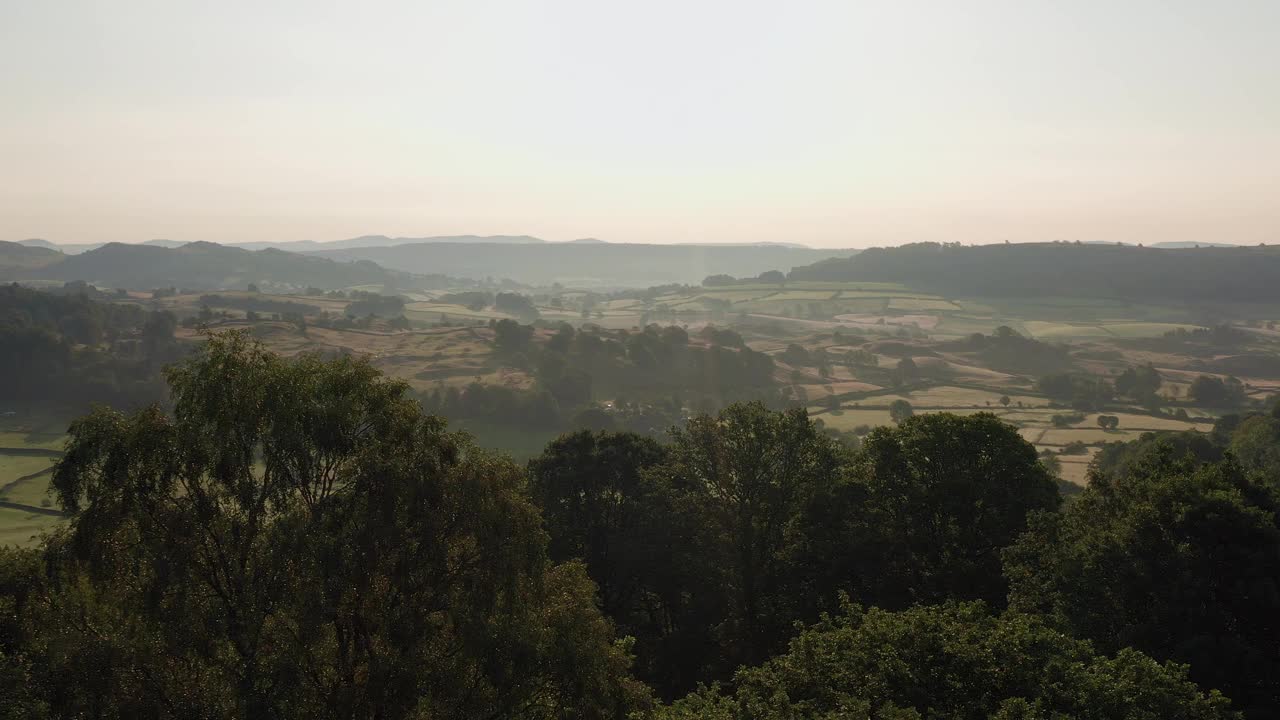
365 241
1183 244
601 264
38 242
206 266
1248 274
15 257
68 249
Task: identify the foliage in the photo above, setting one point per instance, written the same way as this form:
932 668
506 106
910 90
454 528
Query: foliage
1213 391
516 304
943 494
1063 269
1175 559
68 350
900 410
1140 383
1084 392
951 661
377 305
747 473
298 540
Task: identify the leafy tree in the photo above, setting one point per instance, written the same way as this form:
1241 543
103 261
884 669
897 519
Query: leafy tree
1114 459
298 540
1175 559
718 280
1052 465
599 508
1004 400
907 370
796 355
943 494
602 504
1139 383
951 661
1255 443
746 474
1213 391
773 277
900 410
510 336
517 305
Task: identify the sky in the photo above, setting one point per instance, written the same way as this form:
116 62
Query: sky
839 123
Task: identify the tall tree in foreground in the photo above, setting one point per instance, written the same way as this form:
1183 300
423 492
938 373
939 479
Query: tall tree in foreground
950 662
943 494
744 476
601 505
297 539
1175 559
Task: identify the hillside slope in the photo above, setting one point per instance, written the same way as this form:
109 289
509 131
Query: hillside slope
607 264
1210 274
208 266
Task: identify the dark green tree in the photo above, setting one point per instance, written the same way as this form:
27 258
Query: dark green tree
1177 559
953 661
746 474
900 410
943 495
297 539
600 508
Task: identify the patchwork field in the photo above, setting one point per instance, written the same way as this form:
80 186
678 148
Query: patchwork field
26 460
22 527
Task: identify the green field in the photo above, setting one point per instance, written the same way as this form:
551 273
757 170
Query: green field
18 527
38 440
27 492
32 491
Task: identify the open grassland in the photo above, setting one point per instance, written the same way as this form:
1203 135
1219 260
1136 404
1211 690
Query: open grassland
904 304
1066 436
26 461
1045 330
32 491
431 312
15 467
1075 468
945 396
22 440
22 528
847 420
1134 421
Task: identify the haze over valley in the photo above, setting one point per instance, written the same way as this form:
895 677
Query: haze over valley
663 361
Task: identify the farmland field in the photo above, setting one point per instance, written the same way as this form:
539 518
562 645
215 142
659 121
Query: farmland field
19 527
32 491
1064 436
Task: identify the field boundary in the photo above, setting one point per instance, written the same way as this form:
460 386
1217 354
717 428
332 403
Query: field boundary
31 452
31 509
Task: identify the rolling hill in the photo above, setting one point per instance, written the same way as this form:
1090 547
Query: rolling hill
202 266
17 257
585 264
1206 274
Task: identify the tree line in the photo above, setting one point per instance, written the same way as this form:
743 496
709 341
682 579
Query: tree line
67 350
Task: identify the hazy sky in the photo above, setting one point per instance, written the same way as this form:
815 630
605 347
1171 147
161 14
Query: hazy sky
841 123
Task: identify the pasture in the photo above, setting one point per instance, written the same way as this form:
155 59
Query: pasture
26 459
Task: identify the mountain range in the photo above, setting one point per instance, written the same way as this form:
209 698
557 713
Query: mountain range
374 259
